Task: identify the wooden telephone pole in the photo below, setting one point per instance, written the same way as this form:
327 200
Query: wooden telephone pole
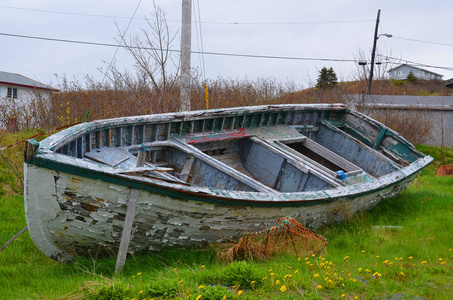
185 55
370 81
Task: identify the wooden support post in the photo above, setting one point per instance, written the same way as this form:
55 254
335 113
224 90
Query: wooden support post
129 220
127 230
13 238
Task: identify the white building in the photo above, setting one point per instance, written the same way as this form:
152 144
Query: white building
16 95
401 72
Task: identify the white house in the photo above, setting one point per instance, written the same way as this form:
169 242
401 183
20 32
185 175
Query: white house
401 72
16 93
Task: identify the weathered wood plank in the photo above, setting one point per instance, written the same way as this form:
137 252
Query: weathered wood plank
129 221
127 230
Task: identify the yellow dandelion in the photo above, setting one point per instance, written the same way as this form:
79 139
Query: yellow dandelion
189 296
313 255
202 266
240 292
319 286
346 258
298 258
272 274
180 281
199 297
424 262
201 286
283 288
356 297
277 282
270 270
138 274
402 273
411 257
224 297
360 269
264 278
306 258
377 256
343 295
140 292
443 263
441 259
133 276
316 275
253 282
296 271
363 251
175 269
288 275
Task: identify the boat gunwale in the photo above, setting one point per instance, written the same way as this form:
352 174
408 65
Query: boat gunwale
72 133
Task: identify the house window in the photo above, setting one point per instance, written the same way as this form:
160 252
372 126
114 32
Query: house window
12 93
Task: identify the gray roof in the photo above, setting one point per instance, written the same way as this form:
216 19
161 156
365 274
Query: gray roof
19 80
415 68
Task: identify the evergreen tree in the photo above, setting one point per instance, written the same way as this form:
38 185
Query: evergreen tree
411 78
327 79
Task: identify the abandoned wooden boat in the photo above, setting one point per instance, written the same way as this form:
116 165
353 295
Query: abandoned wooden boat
208 175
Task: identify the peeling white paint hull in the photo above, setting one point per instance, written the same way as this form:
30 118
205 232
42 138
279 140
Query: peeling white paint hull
76 206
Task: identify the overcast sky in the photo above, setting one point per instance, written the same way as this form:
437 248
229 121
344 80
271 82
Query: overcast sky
321 29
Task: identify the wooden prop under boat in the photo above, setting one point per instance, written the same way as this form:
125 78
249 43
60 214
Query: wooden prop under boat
208 175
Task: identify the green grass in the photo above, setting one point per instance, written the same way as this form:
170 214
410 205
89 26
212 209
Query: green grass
363 258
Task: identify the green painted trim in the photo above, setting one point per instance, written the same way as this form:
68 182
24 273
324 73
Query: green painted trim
380 137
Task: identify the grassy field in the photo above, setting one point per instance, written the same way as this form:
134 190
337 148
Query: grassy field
365 258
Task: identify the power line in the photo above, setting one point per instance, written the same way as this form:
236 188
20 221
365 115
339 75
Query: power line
417 63
121 41
63 13
178 51
179 21
286 23
421 41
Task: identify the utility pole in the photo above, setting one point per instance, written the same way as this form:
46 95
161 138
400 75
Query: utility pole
186 40
370 81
